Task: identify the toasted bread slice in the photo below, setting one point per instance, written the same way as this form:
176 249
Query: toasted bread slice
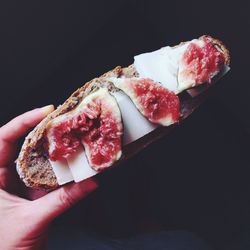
33 165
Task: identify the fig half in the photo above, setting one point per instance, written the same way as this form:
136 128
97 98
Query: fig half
155 102
95 123
200 62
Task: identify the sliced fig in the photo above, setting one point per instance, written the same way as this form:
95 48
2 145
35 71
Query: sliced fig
103 141
96 123
200 62
156 103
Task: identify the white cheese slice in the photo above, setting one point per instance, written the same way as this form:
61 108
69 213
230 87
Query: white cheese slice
134 123
62 171
161 65
79 166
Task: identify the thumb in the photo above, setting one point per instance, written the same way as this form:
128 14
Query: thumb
56 202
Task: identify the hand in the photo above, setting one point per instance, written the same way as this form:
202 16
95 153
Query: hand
24 223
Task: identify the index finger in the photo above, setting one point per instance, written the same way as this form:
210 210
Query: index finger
16 128
20 125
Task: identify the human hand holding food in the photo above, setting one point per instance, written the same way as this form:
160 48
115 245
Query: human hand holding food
24 223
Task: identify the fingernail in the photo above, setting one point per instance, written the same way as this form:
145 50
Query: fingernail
47 109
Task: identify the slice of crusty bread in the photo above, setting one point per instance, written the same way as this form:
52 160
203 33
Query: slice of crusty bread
32 163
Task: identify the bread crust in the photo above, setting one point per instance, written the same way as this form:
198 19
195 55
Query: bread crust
32 164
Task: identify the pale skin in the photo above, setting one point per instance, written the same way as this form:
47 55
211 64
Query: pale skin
24 222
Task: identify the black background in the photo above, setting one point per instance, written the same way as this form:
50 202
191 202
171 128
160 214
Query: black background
195 179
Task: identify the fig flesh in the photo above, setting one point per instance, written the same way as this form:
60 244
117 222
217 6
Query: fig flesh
155 102
200 62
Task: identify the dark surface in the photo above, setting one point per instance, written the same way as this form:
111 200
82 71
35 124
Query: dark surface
171 240
195 179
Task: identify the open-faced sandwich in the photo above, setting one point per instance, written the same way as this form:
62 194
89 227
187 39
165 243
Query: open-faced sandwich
116 115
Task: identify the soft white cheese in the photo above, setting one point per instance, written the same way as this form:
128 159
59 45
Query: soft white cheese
79 166
62 171
161 65
135 125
